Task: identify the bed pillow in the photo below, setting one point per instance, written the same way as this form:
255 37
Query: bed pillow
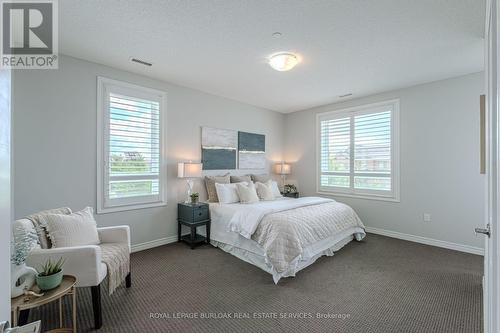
265 191
247 192
276 189
227 193
210 182
260 178
240 179
75 229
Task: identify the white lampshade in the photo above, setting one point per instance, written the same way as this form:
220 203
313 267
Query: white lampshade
283 169
189 170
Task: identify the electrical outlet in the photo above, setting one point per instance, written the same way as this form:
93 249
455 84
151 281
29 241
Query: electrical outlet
427 217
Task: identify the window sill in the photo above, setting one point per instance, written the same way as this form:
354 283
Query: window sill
105 210
360 196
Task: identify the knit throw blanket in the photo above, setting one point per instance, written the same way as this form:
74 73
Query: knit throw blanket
116 256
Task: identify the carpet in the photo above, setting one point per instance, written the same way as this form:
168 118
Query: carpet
377 285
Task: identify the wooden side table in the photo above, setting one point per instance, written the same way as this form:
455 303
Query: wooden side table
193 216
67 287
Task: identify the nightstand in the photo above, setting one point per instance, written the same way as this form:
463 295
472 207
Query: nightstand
291 195
193 216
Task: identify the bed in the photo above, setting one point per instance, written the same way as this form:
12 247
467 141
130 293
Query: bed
286 235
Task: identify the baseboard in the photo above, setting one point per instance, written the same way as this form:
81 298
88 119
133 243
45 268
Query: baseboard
153 243
378 231
427 241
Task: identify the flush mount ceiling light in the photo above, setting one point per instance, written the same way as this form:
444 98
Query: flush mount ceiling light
283 61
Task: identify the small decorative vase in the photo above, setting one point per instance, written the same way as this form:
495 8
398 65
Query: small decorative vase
22 277
194 200
50 281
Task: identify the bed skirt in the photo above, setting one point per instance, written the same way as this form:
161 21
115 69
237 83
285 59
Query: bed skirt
310 255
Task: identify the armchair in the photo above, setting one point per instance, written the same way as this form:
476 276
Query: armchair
83 262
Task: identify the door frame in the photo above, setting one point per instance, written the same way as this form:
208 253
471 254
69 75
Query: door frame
491 284
5 191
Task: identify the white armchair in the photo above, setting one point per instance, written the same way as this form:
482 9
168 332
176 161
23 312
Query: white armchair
83 262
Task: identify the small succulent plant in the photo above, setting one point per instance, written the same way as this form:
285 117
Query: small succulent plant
50 267
194 197
290 188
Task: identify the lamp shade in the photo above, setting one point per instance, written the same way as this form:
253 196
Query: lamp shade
282 169
189 170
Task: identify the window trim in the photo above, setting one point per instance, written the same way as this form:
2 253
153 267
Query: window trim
103 84
394 195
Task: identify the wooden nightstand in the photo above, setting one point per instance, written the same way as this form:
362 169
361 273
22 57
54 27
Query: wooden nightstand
193 216
291 195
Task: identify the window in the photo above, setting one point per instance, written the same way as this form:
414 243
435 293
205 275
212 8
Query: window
131 145
358 151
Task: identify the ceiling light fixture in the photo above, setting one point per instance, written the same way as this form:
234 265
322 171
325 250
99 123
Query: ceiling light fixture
283 61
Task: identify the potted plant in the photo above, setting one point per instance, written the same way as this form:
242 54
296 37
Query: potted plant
194 197
290 188
22 276
50 274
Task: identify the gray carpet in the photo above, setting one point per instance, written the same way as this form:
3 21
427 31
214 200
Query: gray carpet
378 285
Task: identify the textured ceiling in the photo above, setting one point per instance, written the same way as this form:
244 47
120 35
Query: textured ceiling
220 47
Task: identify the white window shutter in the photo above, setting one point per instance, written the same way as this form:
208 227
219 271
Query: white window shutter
358 151
132 168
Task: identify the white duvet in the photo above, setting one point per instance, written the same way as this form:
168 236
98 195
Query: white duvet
284 228
248 216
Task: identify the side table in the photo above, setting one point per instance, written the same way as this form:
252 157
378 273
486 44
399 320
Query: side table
67 287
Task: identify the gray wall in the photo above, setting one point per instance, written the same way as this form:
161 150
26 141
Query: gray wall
55 144
439 139
55 141
5 193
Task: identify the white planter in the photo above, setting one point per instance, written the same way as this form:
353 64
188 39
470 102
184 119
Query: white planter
22 277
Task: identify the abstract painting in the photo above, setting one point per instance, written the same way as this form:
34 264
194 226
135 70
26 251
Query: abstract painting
251 150
218 148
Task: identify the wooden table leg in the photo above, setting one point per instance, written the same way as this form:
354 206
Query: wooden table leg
15 315
74 310
60 313
208 232
193 236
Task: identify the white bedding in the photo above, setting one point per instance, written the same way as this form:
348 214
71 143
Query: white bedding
247 217
315 233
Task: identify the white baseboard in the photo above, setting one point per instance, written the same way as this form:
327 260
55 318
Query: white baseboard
153 243
427 241
378 231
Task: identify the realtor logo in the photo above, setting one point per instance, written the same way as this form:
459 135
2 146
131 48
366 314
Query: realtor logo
29 34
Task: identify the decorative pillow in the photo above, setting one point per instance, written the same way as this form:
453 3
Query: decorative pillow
260 178
240 179
227 193
247 192
75 229
265 191
210 184
41 227
276 189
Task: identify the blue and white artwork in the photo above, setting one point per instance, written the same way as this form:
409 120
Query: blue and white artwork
251 151
218 148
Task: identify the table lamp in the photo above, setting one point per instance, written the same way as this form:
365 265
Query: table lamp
283 169
189 170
